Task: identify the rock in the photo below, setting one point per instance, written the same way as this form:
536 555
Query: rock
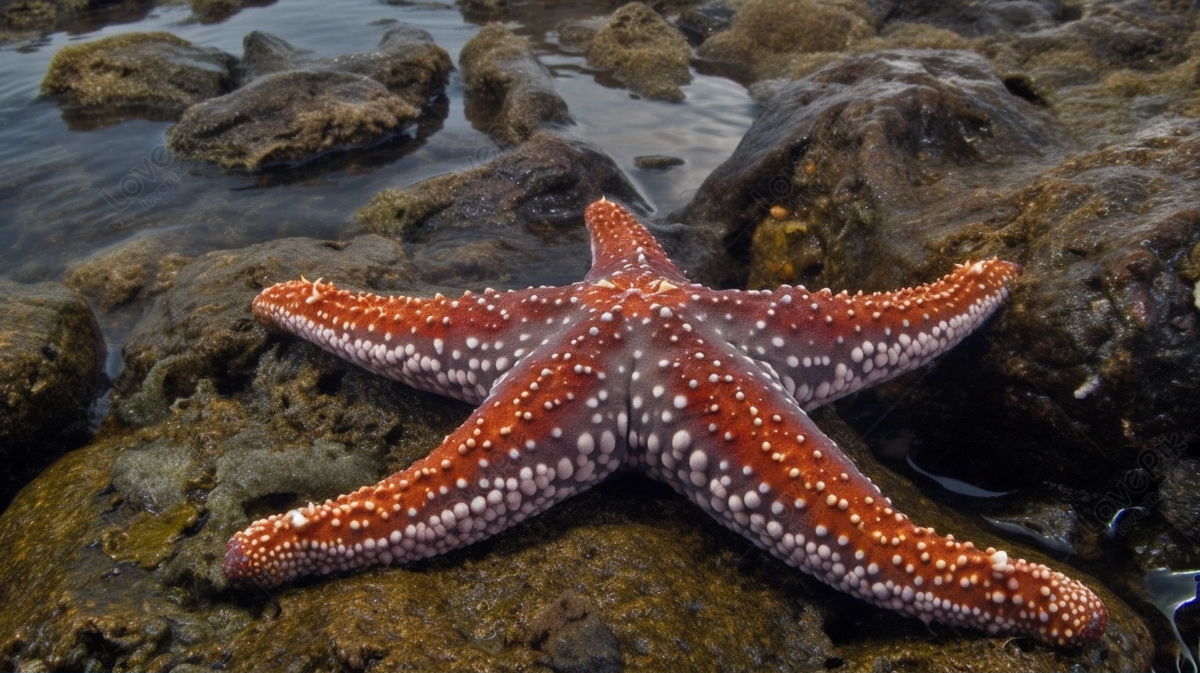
291 117
100 577
153 75
768 36
1109 72
137 270
644 51
407 62
1103 330
287 114
1179 501
1096 353
51 369
573 638
577 35
702 21
482 10
213 11
508 222
656 162
871 138
203 328
22 19
510 96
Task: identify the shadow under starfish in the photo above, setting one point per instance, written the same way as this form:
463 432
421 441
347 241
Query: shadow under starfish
705 390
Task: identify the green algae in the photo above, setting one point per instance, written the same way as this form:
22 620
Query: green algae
673 589
769 35
644 51
149 539
396 212
138 68
510 96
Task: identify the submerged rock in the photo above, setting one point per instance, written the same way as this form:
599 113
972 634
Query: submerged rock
510 96
155 75
213 11
509 221
644 51
51 369
295 106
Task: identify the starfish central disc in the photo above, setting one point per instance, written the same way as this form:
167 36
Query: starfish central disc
705 390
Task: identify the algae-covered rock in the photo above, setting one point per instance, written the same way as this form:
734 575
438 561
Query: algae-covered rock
203 326
509 221
22 19
886 190
510 96
31 15
1098 351
407 62
214 11
626 571
706 19
644 51
51 368
145 515
291 117
295 106
156 75
767 36
870 139
137 270
655 162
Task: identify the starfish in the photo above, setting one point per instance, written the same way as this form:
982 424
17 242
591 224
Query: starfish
705 390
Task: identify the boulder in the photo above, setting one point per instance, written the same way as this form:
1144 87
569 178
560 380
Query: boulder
513 222
153 75
51 370
510 96
294 106
644 51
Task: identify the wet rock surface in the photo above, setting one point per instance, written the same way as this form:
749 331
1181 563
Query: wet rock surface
201 327
153 75
872 138
511 222
22 19
136 271
768 36
644 51
51 370
1098 346
131 576
294 105
510 96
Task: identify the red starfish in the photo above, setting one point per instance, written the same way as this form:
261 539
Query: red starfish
704 390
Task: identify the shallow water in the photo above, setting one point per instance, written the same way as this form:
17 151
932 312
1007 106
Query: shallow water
66 194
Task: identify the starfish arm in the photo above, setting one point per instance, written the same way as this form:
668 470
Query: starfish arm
453 347
548 431
825 346
746 452
621 244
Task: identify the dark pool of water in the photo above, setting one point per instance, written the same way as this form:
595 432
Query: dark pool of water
66 195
